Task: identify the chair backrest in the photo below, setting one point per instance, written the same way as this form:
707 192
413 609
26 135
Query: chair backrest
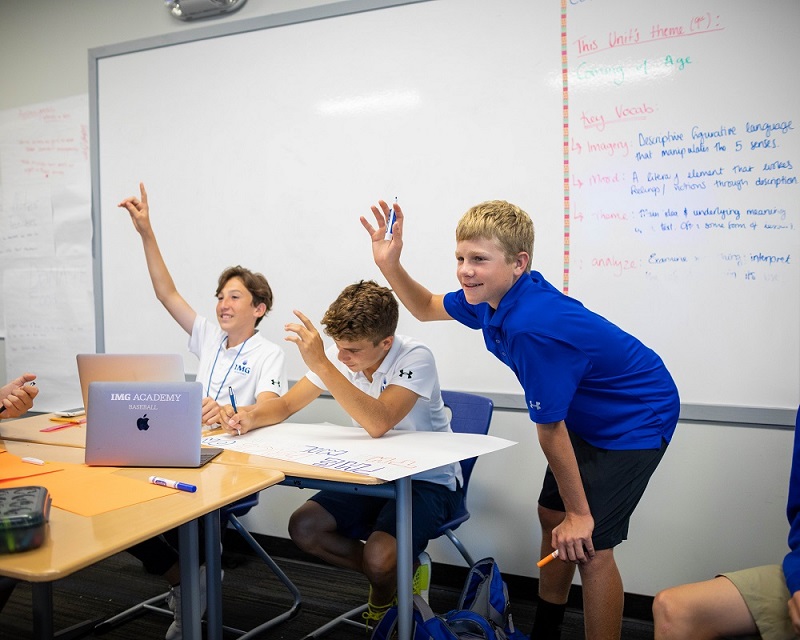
470 413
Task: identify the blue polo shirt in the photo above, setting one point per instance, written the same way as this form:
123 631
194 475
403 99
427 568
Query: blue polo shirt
576 366
791 563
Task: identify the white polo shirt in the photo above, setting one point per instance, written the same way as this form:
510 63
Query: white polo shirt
408 364
250 368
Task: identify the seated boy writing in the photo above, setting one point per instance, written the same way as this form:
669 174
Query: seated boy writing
383 381
604 404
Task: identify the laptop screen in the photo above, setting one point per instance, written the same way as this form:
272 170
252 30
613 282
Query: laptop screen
127 367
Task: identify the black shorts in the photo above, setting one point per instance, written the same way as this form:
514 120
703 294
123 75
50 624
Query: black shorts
358 516
614 482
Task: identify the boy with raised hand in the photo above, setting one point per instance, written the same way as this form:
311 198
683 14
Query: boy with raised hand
232 354
604 405
384 381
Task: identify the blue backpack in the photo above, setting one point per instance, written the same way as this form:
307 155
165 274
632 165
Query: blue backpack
425 626
483 611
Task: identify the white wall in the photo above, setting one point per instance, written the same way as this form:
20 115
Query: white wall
716 503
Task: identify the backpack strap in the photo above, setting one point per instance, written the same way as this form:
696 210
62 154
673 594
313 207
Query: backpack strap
425 625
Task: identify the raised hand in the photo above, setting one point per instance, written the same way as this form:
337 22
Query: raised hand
385 252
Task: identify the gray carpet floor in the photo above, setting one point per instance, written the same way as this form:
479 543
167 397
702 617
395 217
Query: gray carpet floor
251 594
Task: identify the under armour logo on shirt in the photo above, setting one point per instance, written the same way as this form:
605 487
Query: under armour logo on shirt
536 406
403 372
276 383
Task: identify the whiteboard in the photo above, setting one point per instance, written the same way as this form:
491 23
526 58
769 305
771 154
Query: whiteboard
262 141
684 158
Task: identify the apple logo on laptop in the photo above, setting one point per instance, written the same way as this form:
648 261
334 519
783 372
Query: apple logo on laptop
142 424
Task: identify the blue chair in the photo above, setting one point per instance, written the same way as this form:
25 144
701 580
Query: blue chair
228 515
469 413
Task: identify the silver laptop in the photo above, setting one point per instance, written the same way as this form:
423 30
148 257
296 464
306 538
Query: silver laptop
127 367
145 424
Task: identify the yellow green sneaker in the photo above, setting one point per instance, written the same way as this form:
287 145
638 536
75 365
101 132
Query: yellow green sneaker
422 577
375 613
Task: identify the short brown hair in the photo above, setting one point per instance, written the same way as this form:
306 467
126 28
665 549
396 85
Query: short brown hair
363 311
501 221
254 282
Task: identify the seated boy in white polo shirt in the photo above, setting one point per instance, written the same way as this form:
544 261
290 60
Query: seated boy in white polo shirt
384 381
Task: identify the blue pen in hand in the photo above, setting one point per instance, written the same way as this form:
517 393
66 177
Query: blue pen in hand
390 222
232 396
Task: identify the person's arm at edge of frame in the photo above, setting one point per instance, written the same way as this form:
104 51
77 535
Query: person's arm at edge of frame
163 284
791 563
422 304
573 537
16 397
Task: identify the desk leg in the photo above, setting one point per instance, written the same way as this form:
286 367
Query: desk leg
404 559
213 575
190 580
42 610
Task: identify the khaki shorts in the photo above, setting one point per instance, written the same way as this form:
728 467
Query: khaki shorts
766 596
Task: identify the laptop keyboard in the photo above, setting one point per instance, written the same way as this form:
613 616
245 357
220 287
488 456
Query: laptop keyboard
208 453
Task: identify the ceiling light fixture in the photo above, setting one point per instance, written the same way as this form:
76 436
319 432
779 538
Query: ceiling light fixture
198 9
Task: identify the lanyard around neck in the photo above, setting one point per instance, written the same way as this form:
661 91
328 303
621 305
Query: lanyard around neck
211 375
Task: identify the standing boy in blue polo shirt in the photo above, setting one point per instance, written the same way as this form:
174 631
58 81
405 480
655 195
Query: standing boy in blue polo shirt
604 405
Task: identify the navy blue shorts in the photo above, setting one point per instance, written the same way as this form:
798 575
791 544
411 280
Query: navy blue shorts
358 516
614 482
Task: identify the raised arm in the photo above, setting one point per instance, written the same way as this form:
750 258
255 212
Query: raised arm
163 285
422 304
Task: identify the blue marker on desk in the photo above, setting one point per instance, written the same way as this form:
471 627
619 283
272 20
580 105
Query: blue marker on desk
390 223
173 484
232 396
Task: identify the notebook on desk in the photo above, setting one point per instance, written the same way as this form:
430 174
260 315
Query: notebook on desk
145 424
127 367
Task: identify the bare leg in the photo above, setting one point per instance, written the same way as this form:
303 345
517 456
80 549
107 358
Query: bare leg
603 596
313 529
701 611
555 578
380 567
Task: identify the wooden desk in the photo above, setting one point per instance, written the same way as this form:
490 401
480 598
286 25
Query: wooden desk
29 430
74 542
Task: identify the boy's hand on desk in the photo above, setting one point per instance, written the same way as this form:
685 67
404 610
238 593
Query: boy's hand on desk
236 424
211 413
385 252
309 343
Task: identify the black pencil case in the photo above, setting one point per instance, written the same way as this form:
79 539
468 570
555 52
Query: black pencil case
24 512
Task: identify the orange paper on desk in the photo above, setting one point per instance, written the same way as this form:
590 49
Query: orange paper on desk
89 491
12 467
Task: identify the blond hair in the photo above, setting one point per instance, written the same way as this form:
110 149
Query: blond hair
501 221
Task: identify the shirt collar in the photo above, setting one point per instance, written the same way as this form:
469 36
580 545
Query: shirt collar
495 317
387 362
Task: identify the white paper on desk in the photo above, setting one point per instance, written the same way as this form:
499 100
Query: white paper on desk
396 454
